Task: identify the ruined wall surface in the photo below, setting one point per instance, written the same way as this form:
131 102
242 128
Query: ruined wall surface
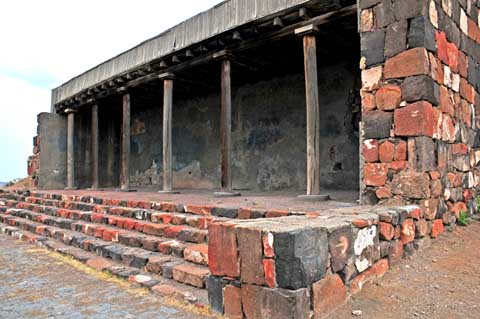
420 104
268 135
52 129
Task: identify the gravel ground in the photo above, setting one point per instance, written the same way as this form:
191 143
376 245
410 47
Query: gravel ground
36 283
442 282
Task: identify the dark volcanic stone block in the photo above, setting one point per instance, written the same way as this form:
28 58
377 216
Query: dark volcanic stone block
377 124
301 257
421 87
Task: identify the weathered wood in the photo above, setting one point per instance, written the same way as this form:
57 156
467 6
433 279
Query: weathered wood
125 176
167 135
226 126
70 149
238 46
313 115
95 158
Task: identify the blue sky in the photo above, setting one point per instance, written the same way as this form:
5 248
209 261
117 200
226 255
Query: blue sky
45 43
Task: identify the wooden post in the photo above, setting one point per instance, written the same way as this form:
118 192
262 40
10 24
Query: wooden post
226 130
125 176
167 134
313 113
70 149
95 160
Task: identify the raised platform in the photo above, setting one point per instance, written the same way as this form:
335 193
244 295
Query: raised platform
256 256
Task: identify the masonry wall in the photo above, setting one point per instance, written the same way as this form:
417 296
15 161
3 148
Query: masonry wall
420 102
268 135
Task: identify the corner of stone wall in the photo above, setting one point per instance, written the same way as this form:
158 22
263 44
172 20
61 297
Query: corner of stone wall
420 104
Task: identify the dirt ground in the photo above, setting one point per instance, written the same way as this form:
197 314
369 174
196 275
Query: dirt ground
442 282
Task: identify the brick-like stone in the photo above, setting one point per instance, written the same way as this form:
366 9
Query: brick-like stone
250 244
375 174
411 185
386 152
191 274
374 272
437 228
301 257
371 78
386 231
223 250
400 151
372 46
340 243
197 254
414 120
412 62
328 294
388 97
377 124
420 87
421 34
233 302
407 231
270 273
395 252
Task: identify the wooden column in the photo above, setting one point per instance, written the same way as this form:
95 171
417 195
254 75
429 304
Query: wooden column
70 149
226 130
313 112
95 159
167 134
125 175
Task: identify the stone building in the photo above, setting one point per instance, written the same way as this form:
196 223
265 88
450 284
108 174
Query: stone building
376 97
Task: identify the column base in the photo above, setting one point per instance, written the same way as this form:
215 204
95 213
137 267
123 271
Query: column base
315 198
169 192
226 194
71 188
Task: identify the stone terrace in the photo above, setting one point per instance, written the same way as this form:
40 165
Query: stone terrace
234 255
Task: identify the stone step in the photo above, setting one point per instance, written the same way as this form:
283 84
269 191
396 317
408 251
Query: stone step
195 209
182 232
161 286
175 218
168 266
196 253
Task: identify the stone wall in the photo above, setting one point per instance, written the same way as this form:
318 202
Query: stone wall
420 103
33 164
307 266
268 134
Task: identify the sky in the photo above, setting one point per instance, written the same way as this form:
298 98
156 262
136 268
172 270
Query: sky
45 43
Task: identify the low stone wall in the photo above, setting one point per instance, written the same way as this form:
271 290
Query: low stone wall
296 266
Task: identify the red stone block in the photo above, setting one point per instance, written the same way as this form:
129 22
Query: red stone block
223 250
467 91
98 232
386 152
328 295
437 228
383 192
110 235
452 52
370 151
130 224
172 231
168 207
414 120
421 228
459 148
199 209
457 208
407 231
448 132
387 232
462 64
368 102
388 97
446 101
154 229
415 213
376 271
408 63
232 297
269 271
197 254
442 47
165 247
400 151
375 174
361 223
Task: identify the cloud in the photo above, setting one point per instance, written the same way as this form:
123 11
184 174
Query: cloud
45 43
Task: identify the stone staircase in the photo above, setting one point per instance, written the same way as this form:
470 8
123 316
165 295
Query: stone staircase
157 241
